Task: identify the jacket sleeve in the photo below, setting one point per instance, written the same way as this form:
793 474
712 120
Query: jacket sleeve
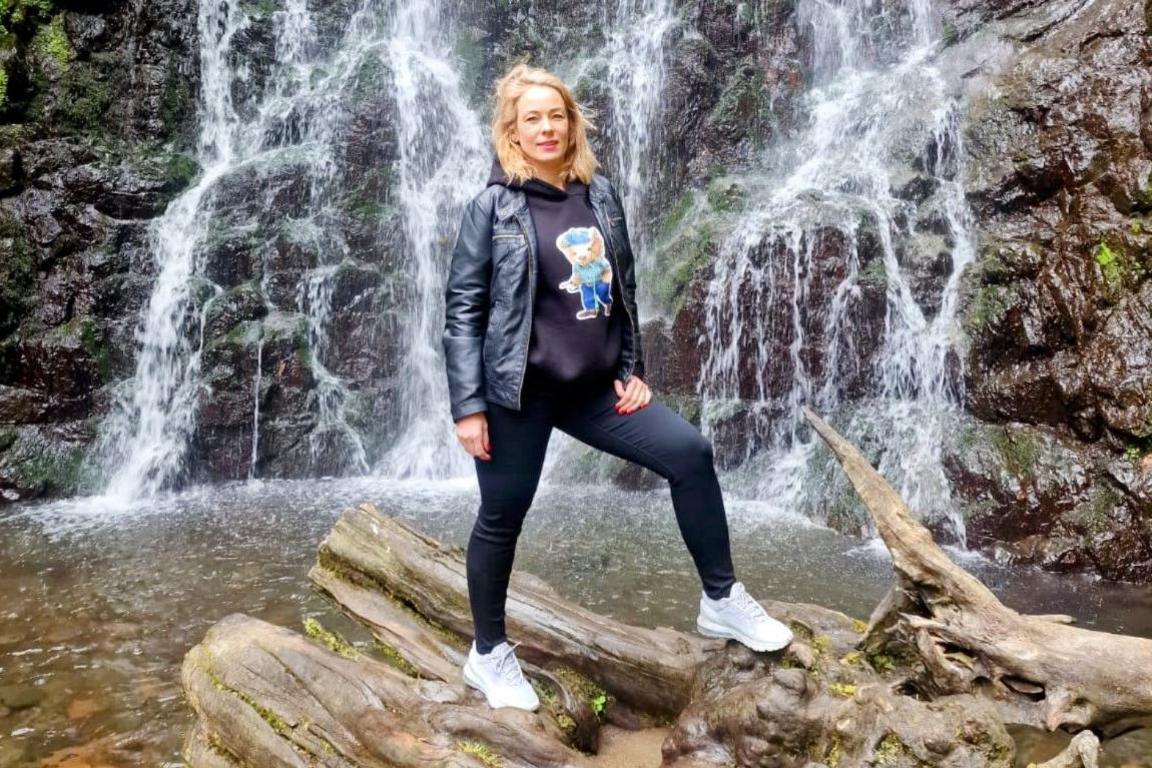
628 278
466 302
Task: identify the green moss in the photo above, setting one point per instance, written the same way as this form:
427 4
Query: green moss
583 688
181 170
325 559
881 662
3 85
94 345
1109 265
278 724
874 274
301 345
892 751
1118 268
1018 449
675 216
177 103
989 307
58 474
396 659
87 94
51 42
725 197
17 274
843 690
480 751
678 262
831 754
260 9
852 658
332 640
949 33
742 111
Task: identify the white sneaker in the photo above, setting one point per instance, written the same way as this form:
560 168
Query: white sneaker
498 676
740 617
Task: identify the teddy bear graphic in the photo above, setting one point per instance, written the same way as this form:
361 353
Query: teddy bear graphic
591 272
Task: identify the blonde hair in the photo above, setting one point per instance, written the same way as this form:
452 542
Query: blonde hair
579 160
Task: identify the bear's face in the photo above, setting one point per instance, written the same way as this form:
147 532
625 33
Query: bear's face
582 253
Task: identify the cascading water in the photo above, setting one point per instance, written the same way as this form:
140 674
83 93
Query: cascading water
293 126
636 72
443 162
145 436
785 318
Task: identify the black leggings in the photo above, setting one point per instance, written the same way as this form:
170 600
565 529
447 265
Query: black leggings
655 437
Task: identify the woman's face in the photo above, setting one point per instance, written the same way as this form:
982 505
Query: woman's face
542 127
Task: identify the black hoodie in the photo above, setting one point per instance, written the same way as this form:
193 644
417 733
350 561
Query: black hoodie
577 314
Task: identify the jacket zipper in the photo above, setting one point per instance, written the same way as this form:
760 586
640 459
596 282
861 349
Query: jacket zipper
531 301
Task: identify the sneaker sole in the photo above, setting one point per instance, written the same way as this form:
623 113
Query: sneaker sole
474 683
724 633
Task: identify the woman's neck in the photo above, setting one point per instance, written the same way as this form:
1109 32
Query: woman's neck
551 176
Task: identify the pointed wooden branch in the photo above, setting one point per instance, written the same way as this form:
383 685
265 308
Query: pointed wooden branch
1057 676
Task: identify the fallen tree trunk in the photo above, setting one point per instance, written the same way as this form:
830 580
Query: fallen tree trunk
931 680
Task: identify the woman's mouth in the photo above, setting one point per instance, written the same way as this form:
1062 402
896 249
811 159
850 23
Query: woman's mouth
549 144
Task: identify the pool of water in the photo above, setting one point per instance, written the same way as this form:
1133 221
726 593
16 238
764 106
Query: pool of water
98 605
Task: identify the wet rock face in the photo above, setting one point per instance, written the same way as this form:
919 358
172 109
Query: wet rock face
99 107
1057 305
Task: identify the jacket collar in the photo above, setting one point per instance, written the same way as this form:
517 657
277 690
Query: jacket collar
513 201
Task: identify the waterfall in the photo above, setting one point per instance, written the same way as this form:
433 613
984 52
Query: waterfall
444 161
638 34
785 318
144 439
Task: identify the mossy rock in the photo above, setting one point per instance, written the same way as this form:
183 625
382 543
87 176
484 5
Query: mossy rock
17 274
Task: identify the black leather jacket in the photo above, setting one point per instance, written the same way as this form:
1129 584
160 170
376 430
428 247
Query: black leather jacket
491 288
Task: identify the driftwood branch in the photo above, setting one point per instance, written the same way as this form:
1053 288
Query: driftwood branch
1042 671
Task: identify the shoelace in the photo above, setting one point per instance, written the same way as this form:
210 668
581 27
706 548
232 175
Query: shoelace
748 605
507 666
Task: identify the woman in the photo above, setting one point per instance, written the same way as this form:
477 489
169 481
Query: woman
542 332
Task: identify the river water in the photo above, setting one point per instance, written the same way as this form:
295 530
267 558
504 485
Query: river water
100 605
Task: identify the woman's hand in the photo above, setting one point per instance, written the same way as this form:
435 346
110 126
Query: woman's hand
472 432
633 395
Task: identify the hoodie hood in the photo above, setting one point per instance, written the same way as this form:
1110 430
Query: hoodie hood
528 186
